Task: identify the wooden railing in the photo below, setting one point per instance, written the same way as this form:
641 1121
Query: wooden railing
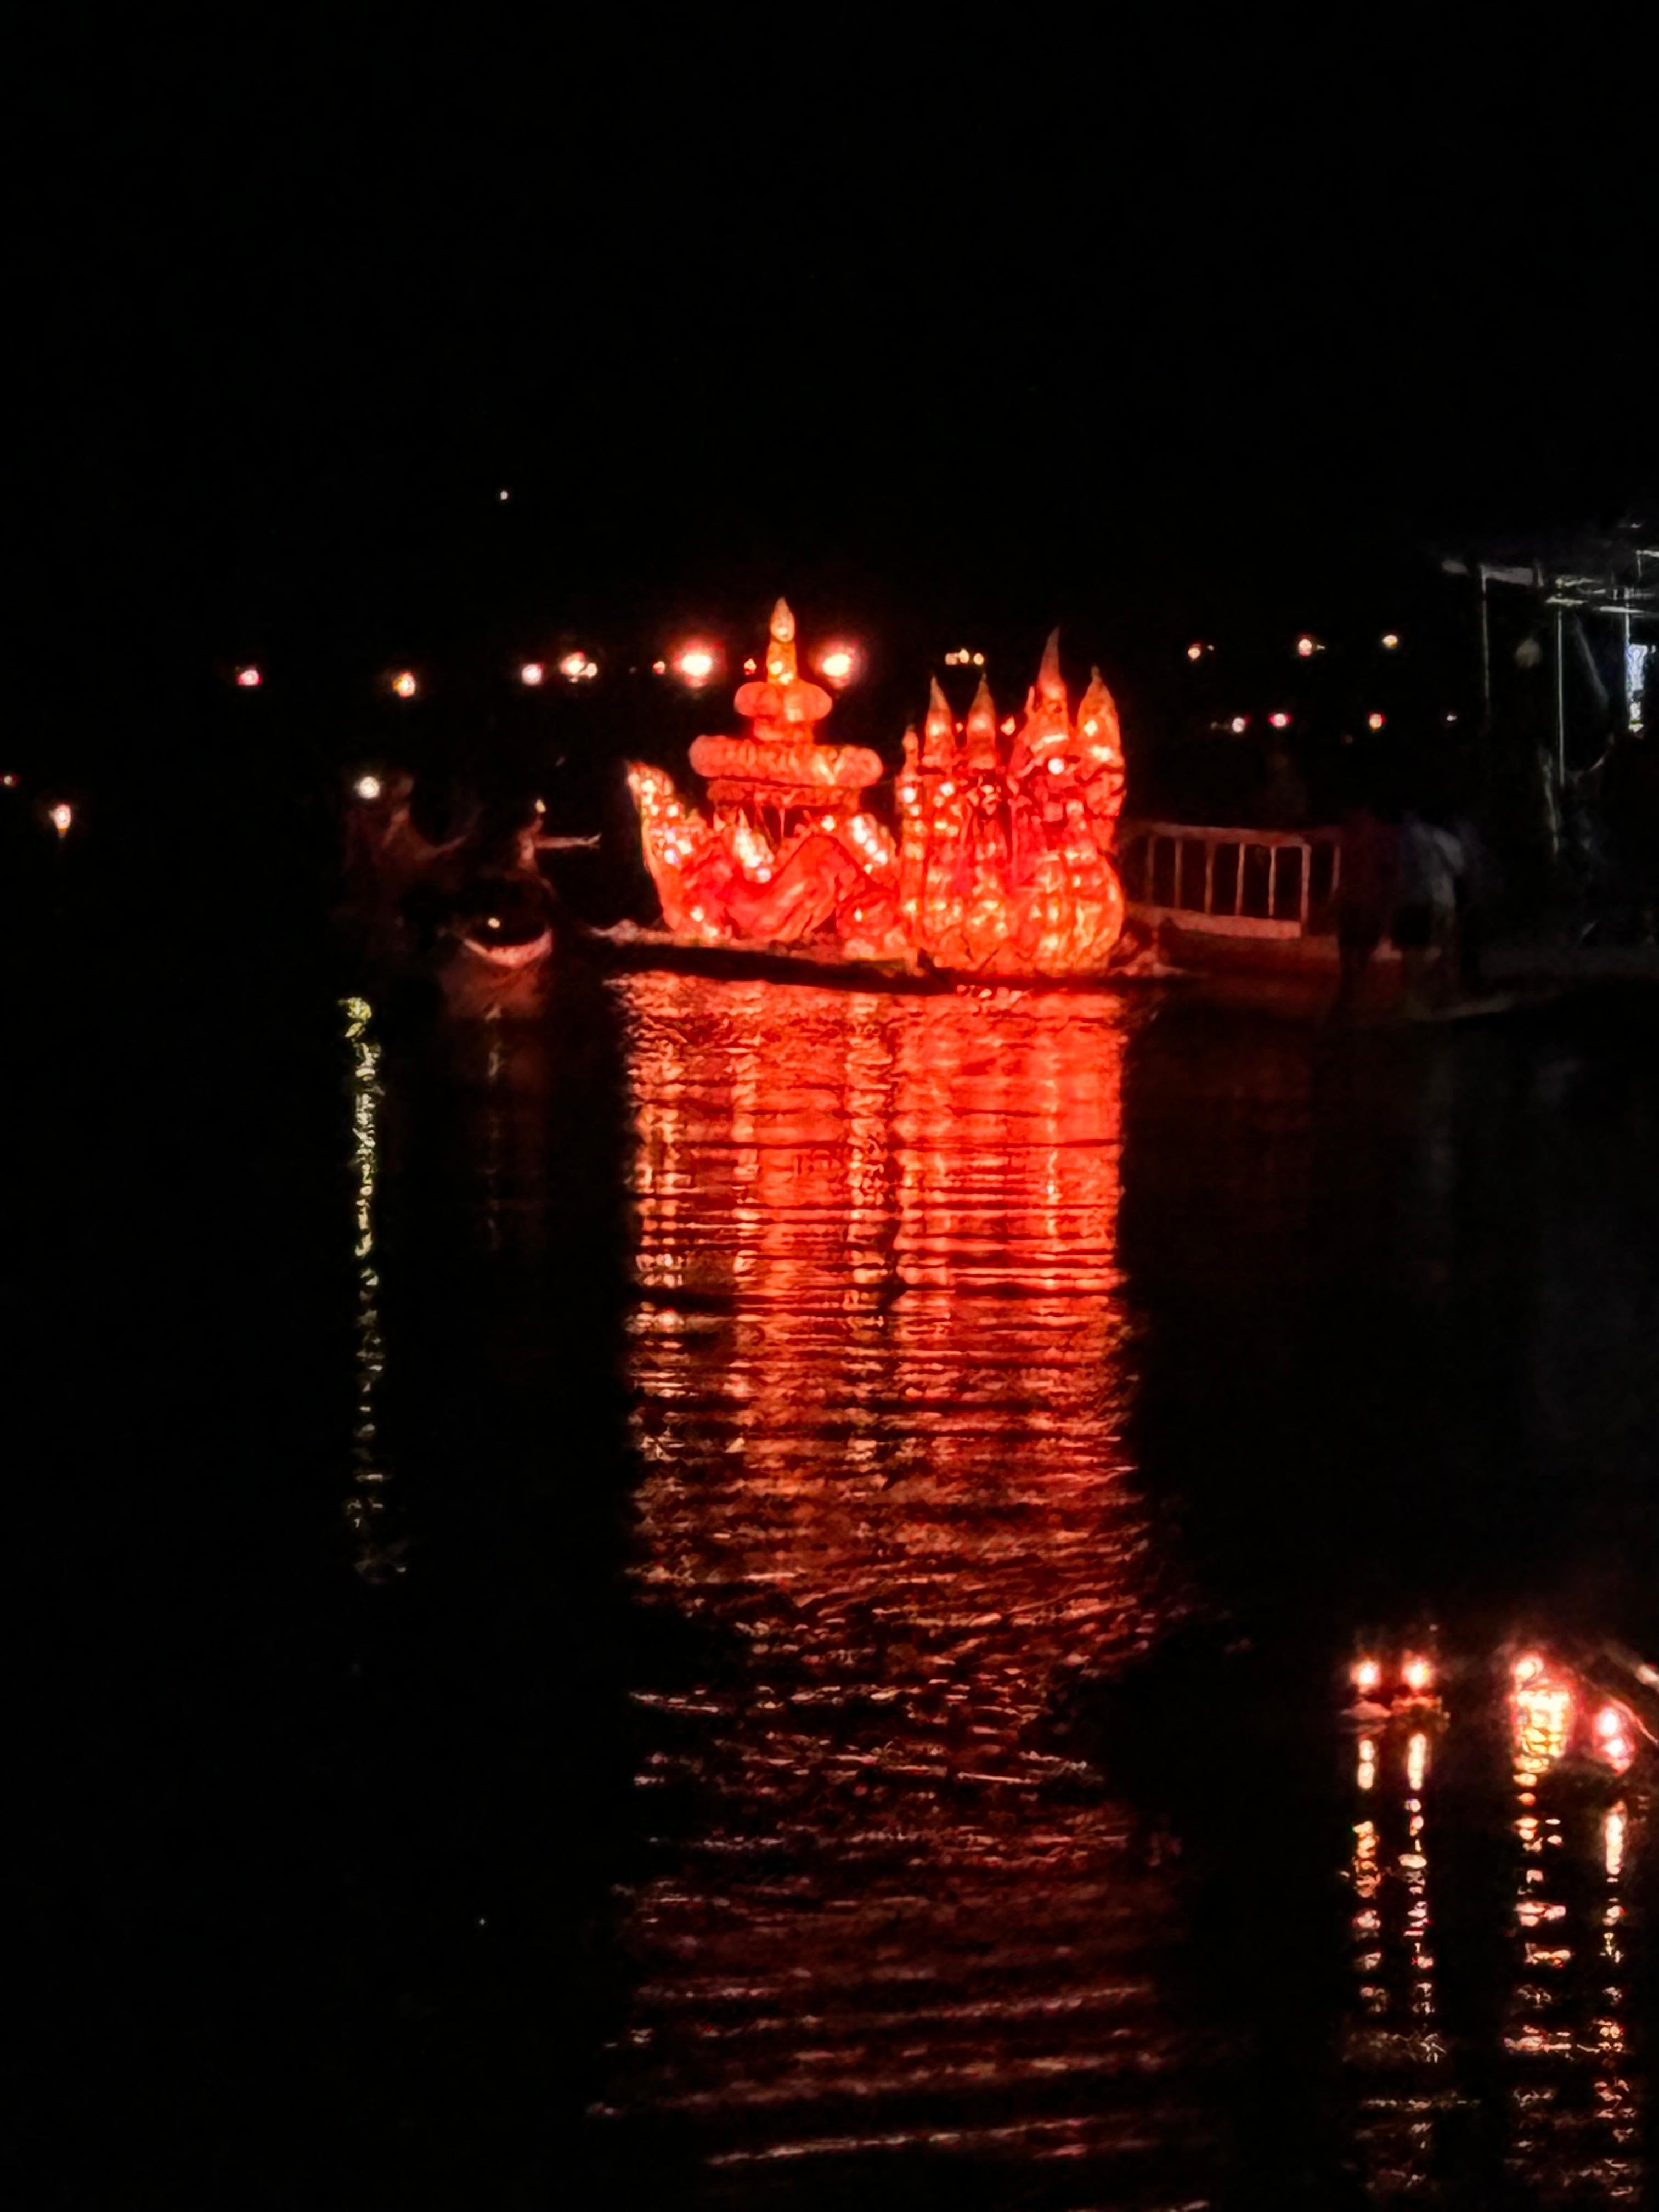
1236 883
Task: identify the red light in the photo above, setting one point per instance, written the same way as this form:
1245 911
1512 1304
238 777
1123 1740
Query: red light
247 680
1279 721
531 673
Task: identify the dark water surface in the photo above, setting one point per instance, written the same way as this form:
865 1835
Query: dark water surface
771 1620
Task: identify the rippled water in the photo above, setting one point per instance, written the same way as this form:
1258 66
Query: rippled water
901 1932
864 1511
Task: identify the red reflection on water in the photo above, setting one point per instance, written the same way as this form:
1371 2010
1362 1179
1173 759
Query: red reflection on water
880 1377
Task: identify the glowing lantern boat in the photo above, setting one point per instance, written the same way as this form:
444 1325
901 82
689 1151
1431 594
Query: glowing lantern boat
1002 864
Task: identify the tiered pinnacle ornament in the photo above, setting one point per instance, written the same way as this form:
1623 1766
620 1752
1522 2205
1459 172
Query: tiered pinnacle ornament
1003 865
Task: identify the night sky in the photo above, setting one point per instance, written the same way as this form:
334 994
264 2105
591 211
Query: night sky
940 334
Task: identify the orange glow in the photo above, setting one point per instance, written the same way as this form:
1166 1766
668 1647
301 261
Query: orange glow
1613 1833
404 684
1416 1674
986 874
1528 1668
837 665
61 817
695 663
1194 653
1368 1675
1389 642
248 679
532 673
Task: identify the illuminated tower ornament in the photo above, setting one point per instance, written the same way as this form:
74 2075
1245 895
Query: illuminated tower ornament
1003 863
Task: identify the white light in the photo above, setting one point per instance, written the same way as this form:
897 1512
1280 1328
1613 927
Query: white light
1390 642
531 673
247 680
1239 724
697 664
1375 721
837 663
61 817
573 667
1307 646
1279 721
368 786
404 684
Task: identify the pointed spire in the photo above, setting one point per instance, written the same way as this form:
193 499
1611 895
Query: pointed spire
1097 732
781 646
1050 683
981 749
938 731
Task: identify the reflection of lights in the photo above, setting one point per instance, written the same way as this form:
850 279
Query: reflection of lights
248 679
1366 1774
1368 1675
1543 1724
1417 1760
367 787
60 817
1416 1674
404 684
1613 1840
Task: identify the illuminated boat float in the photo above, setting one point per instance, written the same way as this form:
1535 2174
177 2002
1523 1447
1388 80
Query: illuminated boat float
995 857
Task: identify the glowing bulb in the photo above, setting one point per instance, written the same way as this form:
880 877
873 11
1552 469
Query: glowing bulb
1609 1722
1239 724
1417 1761
404 684
697 664
1008 728
1194 653
541 806
368 786
493 923
837 663
61 817
979 660
659 668
1416 1674
247 680
1056 767
1389 642
1368 1675
573 667
1307 647
947 790
1528 1668
828 822
531 673
1375 721
1279 721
